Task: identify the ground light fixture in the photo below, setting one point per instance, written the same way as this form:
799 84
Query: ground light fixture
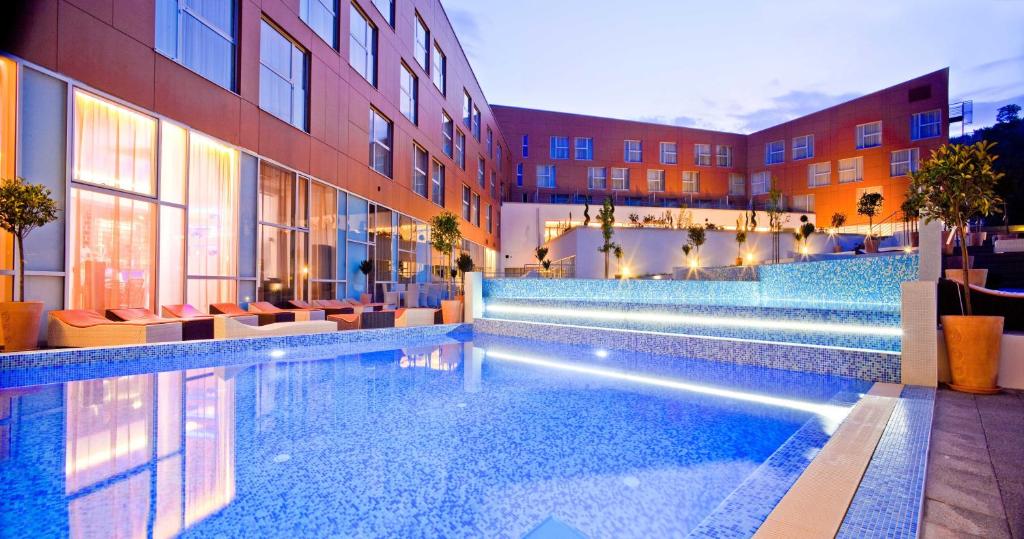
832 415
669 318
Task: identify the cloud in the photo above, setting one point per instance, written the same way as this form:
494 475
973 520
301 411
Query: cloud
788 106
467 28
997 64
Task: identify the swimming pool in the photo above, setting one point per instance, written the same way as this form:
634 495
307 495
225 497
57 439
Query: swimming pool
476 436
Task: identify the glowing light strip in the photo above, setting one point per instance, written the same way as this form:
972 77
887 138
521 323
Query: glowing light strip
835 414
714 321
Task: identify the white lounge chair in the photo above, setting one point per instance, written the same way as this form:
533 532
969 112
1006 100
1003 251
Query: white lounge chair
78 328
229 328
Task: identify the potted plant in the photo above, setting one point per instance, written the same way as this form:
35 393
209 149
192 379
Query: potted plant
838 220
465 265
541 253
742 223
869 205
957 184
686 253
804 234
445 236
23 208
606 215
911 214
697 237
776 220
366 268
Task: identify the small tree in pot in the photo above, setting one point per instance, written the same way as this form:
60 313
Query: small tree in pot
541 253
606 215
465 265
869 205
838 220
24 207
697 237
445 236
957 184
742 225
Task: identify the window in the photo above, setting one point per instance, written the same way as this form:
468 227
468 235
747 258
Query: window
460 149
322 17
620 179
869 135
737 184
199 35
597 178
421 43
803 203
437 183
519 174
487 216
481 173
380 143
494 185
476 123
387 9
691 180
655 181
559 147
851 170
546 176
819 174
633 151
926 125
803 147
467 110
724 156
362 53
760 183
419 170
474 210
114 146
467 195
283 69
584 148
668 153
702 155
440 74
497 152
526 145
490 143
774 152
903 162
410 94
447 133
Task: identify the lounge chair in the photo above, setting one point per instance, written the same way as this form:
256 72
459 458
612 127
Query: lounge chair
409 317
392 300
264 318
77 328
301 315
328 306
187 311
346 321
228 328
192 329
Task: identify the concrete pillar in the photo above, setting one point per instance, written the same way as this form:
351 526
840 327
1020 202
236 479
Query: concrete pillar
930 249
474 298
919 311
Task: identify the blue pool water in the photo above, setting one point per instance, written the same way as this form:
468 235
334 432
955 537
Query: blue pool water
486 437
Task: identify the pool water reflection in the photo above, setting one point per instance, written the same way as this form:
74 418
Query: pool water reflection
441 440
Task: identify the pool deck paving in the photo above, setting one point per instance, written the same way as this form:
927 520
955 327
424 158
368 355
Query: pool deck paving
975 483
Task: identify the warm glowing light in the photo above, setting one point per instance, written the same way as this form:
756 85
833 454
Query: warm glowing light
694 263
833 414
656 277
305 270
691 320
803 250
750 258
601 353
625 272
277 353
908 249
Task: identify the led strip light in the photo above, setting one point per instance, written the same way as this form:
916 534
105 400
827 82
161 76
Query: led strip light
691 320
831 413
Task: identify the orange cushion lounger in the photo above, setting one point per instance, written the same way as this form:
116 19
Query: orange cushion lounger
300 314
264 318
228 328
192 329
323 305
77 328
187 311
345 321
410 317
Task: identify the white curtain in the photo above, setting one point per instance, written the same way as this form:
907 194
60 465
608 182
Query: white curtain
114 146
212 208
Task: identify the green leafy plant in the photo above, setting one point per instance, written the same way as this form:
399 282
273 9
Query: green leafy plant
541 253
465 265
546 264
445 236
869 205
366 267
634 219
742 225
607 217
838 220
24 207
955 185
775 213
697 237
806 231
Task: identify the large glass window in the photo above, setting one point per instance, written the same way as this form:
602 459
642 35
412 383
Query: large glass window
760 183
212 212
691 181
669 153
112 244
283 235
655 181
597 178
362 53
201 35
819 174
490 143
440 70
620 179
803 147
380 143
559 148
323 238
467 195
903 162
632 151
475 210
421 43
481 172
869 135
724 156
851 170
419 170
447 134
519 174
702 155
775 152
737 184
526 145
386 9
467 110
283 80
584 148
437 183
460 149
546 176
476 123
926 124
322 17
410 94
803 203
114 146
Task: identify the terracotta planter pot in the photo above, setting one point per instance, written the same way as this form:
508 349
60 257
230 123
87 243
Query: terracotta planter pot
976 239
451 311
977 277
739 260
19 321
871 245
972 344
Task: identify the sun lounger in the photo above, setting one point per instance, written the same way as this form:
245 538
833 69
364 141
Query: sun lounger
82 327
264 318
192 329
228 328
187 311
328 306
301 315
345 321
410 317
377 319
